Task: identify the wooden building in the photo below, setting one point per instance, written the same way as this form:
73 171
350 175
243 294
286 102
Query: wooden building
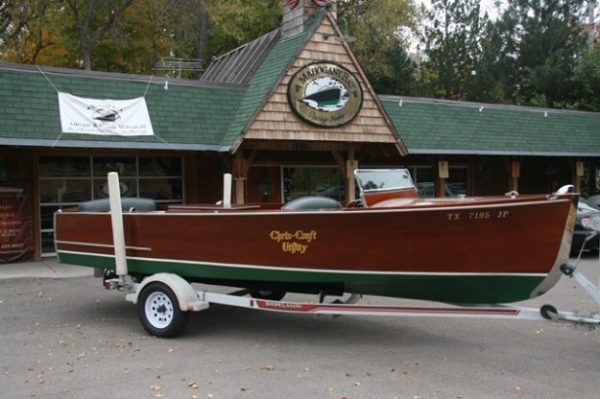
288 114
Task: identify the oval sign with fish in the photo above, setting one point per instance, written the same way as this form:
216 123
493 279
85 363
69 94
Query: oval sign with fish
325 94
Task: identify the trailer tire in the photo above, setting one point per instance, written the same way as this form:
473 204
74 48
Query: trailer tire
159 311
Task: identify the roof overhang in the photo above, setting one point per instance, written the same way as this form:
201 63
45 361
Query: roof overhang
113 145
418 151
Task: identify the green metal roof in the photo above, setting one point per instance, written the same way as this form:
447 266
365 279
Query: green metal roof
212 116
187 115
429 126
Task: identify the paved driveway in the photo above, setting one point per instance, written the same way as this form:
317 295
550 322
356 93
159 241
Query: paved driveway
68 338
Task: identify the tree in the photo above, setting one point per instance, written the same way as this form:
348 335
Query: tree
23 29
92 20
587 81
379 46
453 49
235 22
544 39
128 35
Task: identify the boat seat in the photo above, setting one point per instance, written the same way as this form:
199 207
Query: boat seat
127 205
311 203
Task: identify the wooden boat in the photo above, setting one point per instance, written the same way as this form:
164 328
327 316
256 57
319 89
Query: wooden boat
390 242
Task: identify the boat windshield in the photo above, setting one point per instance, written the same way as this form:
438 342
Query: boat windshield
371 180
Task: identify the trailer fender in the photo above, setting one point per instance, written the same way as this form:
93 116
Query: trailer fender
186 295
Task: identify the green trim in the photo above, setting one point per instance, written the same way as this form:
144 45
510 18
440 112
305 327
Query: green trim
443 288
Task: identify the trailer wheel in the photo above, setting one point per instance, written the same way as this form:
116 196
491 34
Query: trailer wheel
549 312
159 311
271 295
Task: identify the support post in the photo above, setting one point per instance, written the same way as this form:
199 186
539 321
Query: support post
351 166
515 173
578 175
443 174
240 175
116 217
227 190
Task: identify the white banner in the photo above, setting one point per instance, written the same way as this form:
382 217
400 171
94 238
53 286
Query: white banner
104 117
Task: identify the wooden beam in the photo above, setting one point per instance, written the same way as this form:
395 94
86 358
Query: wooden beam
515 173
35 193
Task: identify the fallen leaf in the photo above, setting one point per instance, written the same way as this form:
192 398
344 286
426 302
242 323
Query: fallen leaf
193 385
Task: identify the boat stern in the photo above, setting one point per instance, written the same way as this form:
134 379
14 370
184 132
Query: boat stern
562 257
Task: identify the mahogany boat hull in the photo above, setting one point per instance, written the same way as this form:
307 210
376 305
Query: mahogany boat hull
492 251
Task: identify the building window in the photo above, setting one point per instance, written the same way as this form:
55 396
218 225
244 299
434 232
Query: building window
456 184
299 181
66 181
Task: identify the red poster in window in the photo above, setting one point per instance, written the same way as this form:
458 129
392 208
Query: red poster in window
16 226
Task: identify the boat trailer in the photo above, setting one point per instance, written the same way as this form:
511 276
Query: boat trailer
165 300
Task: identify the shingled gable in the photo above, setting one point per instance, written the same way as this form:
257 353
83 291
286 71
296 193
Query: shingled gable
273 119
432 126
185 114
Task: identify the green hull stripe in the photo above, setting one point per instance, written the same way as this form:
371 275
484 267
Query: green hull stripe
444 288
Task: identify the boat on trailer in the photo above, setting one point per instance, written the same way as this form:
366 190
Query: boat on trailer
390 242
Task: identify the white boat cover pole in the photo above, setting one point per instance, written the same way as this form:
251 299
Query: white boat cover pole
227 190
116 217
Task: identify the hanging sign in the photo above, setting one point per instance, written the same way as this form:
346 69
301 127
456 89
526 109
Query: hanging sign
325 94
103 116
16 226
